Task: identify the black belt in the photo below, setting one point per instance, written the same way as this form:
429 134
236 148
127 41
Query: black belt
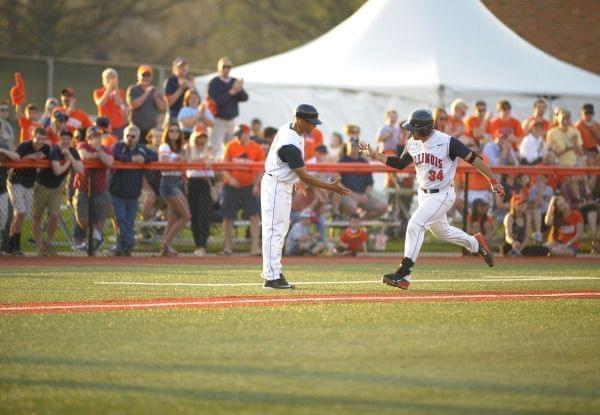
270 174
430 190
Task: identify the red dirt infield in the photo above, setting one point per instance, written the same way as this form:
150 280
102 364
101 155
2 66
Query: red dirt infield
276 300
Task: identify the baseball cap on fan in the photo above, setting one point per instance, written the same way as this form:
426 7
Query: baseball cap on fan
308 113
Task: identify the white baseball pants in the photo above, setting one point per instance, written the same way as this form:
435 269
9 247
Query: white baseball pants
276 205
431 214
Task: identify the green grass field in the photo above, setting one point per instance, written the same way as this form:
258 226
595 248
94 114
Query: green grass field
421 357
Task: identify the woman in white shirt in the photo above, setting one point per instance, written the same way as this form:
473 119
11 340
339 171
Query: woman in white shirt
193 112
171 186
199 196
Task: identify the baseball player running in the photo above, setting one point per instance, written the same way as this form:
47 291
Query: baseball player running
434 154
284 169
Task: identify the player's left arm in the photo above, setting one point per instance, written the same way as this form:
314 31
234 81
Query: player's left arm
458 149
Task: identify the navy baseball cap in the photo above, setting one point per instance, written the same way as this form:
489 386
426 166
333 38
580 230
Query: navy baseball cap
308 113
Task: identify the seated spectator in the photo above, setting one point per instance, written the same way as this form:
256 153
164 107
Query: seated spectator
300 241
6 126
314 199
565 141
171 187
353 239
567 227
78 119
176 87
5 155
92 149
579 196
590 135
361 185
126 187
440 119
110 102
193 112
337 147
49 106
145 101
57 125
505 126
256 128
455 126
28 118
539 110
388 136
480 221
533 147
500 152
539 200
200 182
241 189
476 126
352 131
20 186
517 228
108 138
269 134
48 190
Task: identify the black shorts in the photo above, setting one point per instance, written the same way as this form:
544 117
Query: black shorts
235 199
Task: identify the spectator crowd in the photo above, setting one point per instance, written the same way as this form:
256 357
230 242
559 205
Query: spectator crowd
144 123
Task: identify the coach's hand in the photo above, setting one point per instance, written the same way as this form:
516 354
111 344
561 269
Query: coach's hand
339 188
365 150
497 187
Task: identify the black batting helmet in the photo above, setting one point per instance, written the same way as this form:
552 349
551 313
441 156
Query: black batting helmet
419 120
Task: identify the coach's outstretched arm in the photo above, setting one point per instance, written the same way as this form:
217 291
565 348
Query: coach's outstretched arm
309 179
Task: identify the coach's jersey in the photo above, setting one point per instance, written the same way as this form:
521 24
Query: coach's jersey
435 159
274 165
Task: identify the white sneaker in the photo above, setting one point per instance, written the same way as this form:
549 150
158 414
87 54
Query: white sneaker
200 252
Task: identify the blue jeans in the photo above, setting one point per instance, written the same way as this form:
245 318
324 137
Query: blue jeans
125 211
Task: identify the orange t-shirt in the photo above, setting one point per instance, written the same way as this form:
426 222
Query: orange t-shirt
568 228
309 148
317 136
236 152
77 119
51 135
476 180
26 125
111 110
471 123
453 124
588 134
499 127
354 240
545 122
109 140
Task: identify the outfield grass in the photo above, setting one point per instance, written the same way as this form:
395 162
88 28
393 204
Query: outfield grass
500 357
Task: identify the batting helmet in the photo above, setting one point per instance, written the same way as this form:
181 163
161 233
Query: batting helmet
419 120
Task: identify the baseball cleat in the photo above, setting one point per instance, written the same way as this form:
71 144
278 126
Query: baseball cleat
397 281
484 249
280 283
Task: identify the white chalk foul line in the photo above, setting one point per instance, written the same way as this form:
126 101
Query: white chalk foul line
485 279
267 301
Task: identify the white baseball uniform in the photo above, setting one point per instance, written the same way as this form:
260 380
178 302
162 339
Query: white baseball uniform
276 196
435 163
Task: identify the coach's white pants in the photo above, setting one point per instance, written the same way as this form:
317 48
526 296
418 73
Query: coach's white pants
221 133
276 205
431 214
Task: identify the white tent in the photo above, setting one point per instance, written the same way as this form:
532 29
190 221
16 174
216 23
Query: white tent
407 53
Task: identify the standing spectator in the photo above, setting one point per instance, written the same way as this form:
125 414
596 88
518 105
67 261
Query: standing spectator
567 227
353 239
361 185
590 134
480 221
110 101
565 140
476 126
6 125
388 136
171 187
242 188
440 119
500 152
455 125
49 106
48 190
92 149
126 186
300 240
336 146
145 101
28 118
193 112
227 92
108 138
20 186
177 85
199 196
78 119
6 154
533 147
58 123
505 126
539 110
539 200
